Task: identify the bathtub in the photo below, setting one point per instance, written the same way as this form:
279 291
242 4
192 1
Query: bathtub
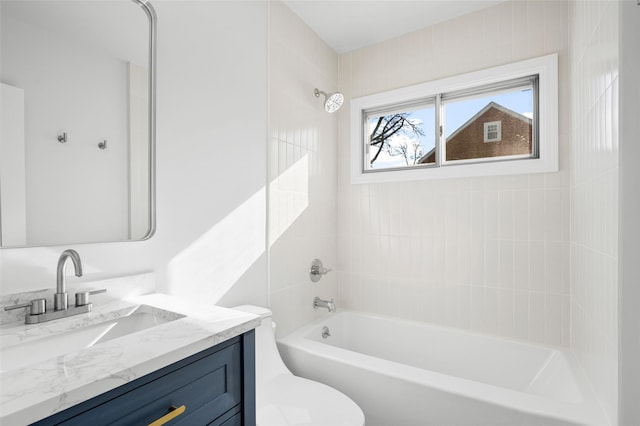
409 373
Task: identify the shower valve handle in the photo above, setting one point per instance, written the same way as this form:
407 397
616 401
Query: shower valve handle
317 270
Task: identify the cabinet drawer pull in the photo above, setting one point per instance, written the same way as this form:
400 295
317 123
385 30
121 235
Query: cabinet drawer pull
175 412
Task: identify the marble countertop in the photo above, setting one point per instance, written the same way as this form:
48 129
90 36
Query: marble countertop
39 390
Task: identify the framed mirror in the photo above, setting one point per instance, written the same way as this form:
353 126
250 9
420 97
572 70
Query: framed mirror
77 142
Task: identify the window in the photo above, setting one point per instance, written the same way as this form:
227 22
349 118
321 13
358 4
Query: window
491 122
493 131
399 137
497 121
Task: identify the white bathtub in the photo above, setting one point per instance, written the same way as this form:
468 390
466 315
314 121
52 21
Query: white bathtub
408 373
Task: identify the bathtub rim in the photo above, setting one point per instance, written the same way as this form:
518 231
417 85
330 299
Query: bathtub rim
588 412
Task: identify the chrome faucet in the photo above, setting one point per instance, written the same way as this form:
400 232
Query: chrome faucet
319 303
61 298
38 312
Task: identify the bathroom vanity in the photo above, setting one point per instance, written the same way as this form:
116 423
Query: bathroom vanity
213 387
149 360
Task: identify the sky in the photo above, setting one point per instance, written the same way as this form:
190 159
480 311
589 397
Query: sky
456 114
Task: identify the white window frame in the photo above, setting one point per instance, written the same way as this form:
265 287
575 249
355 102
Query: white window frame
546 67
498 137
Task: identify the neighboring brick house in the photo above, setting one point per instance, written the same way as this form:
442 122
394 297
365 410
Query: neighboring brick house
494 131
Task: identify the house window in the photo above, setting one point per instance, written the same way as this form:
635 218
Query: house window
492 131
491 122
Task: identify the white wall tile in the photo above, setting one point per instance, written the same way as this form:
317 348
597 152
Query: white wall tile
553 317
506 214
492 311
507 313
537 266
478 306
591 310
481 244
492 263
521 314
521 265
537 312
553 267
507 264
303 176
537 218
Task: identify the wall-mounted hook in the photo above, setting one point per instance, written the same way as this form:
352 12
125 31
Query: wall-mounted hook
102 144
63 137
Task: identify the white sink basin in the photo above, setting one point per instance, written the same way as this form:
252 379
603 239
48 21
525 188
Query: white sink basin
53 345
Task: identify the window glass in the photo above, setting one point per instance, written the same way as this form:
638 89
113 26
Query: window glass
404 137
490 125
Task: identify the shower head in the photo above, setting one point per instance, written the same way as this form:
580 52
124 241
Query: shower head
332 101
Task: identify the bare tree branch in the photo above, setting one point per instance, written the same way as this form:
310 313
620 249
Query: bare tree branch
393 125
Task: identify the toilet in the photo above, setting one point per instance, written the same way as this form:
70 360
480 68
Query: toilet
283 399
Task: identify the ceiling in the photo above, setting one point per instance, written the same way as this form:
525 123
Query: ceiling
346 25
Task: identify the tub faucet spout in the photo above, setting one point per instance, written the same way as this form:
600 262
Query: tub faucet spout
319 303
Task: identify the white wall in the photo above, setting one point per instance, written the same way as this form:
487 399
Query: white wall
302 169
594 194
82 91
629 249
211 168
484 254
13 229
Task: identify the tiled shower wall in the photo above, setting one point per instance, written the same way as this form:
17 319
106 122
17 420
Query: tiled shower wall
302 169
486 254
483 254
593 40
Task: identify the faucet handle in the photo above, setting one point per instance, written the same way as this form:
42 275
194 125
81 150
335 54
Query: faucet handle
38 306
317 270
82 297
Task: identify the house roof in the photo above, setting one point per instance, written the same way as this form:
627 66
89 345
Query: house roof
487 108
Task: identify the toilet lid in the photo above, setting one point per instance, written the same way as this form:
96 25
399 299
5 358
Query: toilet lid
291 400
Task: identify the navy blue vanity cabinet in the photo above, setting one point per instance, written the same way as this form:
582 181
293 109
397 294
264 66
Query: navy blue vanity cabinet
213 387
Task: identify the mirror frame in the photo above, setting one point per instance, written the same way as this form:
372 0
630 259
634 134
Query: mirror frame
151 15
149 10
